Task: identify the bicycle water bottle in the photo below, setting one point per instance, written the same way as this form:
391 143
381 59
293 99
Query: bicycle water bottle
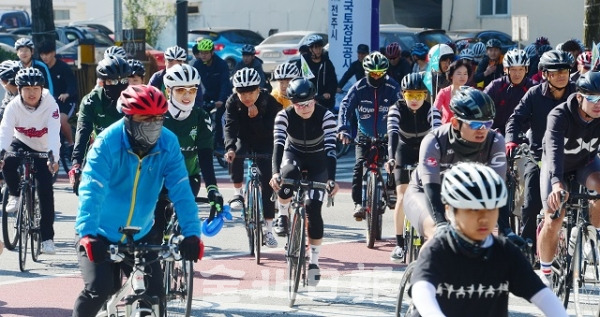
137 281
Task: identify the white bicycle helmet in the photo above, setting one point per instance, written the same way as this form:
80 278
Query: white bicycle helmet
23 42
473 186
515 57
246 77
466 54
181 75
175 53
286 71
478 49
115 51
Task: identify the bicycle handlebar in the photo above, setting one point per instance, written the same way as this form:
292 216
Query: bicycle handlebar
169 251
306 185
572 197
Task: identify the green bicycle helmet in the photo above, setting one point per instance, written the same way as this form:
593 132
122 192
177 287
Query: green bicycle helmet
206 45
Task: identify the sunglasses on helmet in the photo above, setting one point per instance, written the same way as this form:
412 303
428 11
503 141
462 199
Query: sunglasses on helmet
112 82
478 125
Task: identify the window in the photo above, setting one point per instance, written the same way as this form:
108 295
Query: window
493 7
62 15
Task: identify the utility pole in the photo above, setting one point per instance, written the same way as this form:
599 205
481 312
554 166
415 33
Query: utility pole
118 11
182 23
42 22
591 22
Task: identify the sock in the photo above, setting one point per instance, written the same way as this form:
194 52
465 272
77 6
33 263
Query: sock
269 225
546 267
400 240
284 209
314 254
237 191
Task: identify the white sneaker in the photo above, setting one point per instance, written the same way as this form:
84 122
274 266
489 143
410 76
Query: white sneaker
270 240
48 247
397 254
11 205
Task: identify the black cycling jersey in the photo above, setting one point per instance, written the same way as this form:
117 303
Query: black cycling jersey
410 127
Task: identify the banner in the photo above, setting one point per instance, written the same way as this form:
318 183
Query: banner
349 25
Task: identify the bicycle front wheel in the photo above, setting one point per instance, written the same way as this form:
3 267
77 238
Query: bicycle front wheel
372 211
586 279
10 232
258 233
561 269
35 233
249 218
407 308
295 255
179 287
23 228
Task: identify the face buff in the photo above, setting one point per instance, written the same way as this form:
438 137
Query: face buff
143 135
113 92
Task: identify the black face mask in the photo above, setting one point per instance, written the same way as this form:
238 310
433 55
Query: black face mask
376 82
467 149
142 135
113 92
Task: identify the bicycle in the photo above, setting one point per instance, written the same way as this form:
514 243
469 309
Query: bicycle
575 266
374 197
210 107
132 293
24 225
408 309
296 245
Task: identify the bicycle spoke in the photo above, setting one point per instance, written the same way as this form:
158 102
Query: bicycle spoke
585 268
295 256
179 278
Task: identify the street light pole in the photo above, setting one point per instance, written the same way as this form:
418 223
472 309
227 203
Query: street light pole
118 11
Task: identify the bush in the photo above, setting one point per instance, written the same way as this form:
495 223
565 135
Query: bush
6 55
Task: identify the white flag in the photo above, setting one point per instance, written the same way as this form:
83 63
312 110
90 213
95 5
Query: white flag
306 72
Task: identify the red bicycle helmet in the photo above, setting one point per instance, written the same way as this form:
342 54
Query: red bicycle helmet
393 50
144 100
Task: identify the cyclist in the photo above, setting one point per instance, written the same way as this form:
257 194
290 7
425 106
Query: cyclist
532 111
466 268
584 65
305 140
466 138
192 126
24 47
570 146
572 46
538 77
249 119
534 59
399 67
250 60
409 120
325 79
8 71
114 50
138 71
355 69
479 51
419 56
283 74
65 89
490 66
33 121
439 79
174 55
135 147
458 75
98 109
507 91
367 105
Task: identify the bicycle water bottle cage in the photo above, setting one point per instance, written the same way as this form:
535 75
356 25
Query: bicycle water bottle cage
253 171
210 229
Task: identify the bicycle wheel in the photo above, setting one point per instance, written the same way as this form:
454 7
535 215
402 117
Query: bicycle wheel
295 254
249 218
23 228
372 211
405 310
35 233
10 232
258 233
561 269
179 287
586 280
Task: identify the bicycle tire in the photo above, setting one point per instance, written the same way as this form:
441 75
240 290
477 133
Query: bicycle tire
372 211
585 274
403 292
179 287
561 269
258 234
248 221
35 232
295 255
23 227
10 232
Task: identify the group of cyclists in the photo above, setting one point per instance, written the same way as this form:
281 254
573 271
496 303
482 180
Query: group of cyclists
139 148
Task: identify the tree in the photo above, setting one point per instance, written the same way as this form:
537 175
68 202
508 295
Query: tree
591 22
42 21
152 15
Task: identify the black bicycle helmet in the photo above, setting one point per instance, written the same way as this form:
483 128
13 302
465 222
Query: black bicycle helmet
137 68
472 104
30 77
300 89
413 81
113 67
313 40
589 83
555 60
8 71
248 49
493 43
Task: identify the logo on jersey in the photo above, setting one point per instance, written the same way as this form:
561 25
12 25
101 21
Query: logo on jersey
581 145
32 132
470 292
431 162
194 133
55 114
208 123
498 160
365 116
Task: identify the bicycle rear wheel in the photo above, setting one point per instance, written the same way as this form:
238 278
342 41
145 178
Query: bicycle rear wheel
405 310
586 279
10 232
23 228
372 211
295 254
258 234
561 269
179 287
35 233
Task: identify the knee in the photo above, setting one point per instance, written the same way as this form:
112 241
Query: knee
285 192
315 220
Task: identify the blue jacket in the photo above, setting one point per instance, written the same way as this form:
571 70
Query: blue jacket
360 104
119 189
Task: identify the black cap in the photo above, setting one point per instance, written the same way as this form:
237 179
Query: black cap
362 48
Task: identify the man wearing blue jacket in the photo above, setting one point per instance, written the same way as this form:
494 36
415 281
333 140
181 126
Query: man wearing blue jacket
126 168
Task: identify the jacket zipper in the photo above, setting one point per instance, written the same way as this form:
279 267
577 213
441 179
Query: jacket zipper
133 195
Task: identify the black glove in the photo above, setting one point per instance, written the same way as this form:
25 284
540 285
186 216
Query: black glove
215 199
191 248
96 249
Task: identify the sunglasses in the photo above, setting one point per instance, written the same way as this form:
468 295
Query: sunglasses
478 125
414 95
304 104
592 98
377 73
183 90
112 82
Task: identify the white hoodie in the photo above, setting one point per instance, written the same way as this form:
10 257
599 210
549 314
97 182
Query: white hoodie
37 128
